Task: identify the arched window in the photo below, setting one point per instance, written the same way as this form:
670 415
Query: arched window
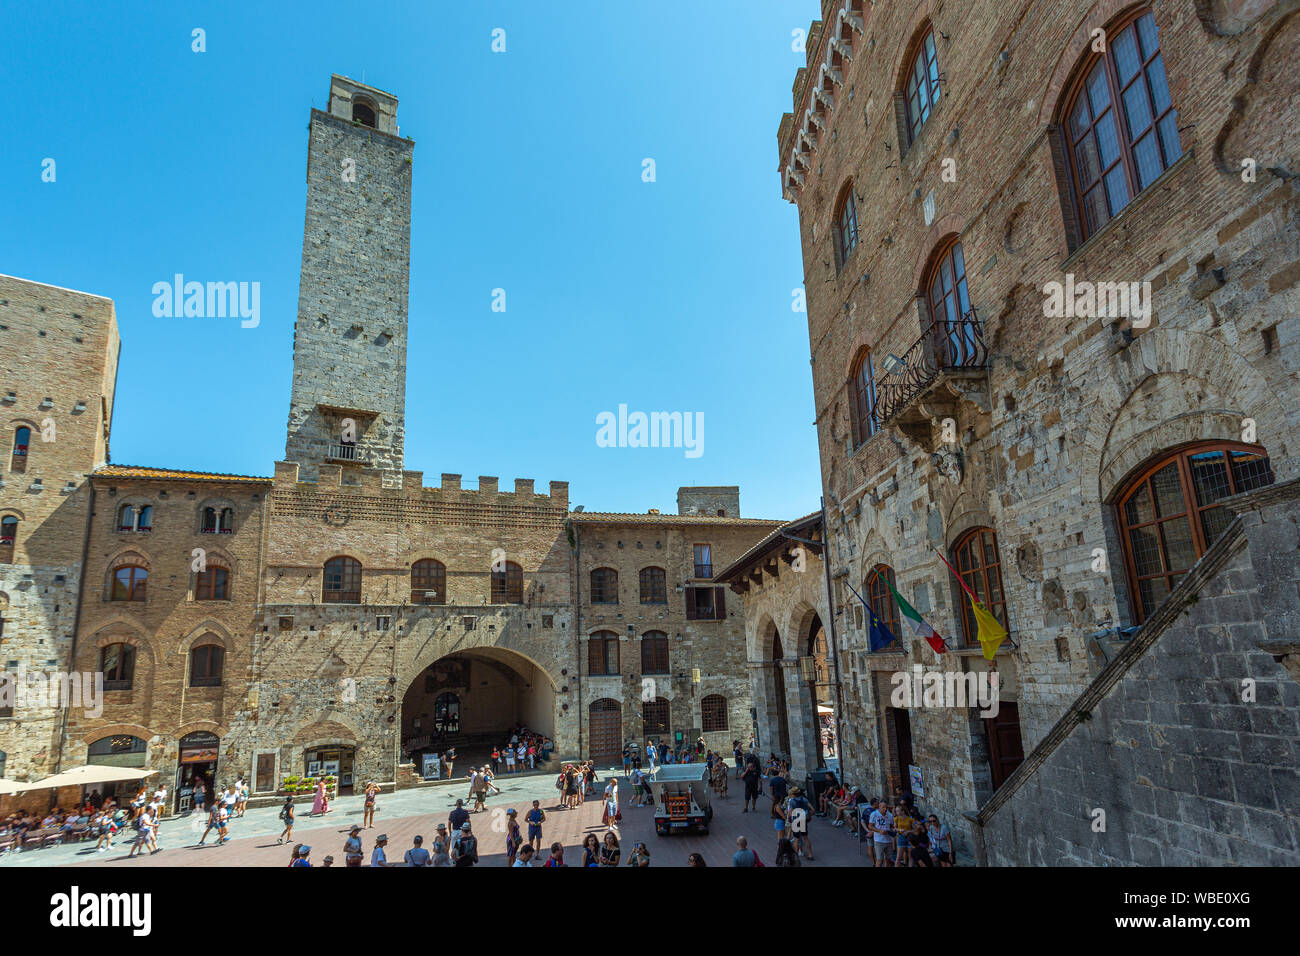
212 583
654 716
976 558
206 663
342 581
508 585
654 653
135 518
882 601
364 114
654 587
1169 514
129 583
117 662
604 586
862 385
922 91
428 582
713 713
218 520
1121 128
8 538
846 227
955 340
22 438
602 653
122 750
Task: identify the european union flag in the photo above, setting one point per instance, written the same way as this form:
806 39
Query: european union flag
881 636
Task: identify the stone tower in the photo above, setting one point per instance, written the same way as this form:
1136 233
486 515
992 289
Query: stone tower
348 404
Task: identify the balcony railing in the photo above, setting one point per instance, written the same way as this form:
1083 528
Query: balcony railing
343 452
703 570
330 596
943 347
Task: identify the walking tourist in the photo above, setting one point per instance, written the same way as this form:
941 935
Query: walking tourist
352 852
368 812
379 856
286 814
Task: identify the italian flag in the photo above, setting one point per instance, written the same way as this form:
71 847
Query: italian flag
919 627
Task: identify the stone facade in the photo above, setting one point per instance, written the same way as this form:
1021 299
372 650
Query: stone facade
349 345
343 601
1186 750
710 647
59 369
1039 431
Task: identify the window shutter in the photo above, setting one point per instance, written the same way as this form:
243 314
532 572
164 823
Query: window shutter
595 655
690 604
720 602
900 121
1065 188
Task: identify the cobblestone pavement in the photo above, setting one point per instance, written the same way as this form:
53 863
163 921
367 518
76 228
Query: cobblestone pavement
403 815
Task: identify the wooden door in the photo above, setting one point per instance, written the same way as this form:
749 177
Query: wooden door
606 731
1006 752
265 779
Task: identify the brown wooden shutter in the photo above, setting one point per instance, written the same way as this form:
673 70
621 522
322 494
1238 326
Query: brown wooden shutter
1065 188
690 604
720 603
595 655
900 121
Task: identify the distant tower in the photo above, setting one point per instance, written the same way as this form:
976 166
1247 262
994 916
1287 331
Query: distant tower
348 403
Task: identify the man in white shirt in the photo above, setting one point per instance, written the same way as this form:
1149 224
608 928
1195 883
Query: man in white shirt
650 754
881 825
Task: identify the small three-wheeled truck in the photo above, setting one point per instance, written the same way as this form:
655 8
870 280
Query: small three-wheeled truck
681 795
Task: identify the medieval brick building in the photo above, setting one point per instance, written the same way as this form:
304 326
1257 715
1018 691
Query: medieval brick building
339 614
1051 260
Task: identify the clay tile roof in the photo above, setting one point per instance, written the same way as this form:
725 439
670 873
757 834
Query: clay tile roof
617 517
169 474
769 543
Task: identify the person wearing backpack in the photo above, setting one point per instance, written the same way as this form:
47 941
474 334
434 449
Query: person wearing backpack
465 850
286 814
799 811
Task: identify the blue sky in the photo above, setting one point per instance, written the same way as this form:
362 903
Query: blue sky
673 295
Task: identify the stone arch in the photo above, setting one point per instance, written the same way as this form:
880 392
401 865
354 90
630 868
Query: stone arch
438 646
1113 442
116 730
214 629
8 510
195 726
326 729
217 502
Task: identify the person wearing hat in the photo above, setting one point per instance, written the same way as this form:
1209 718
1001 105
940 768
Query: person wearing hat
464 852
302 857
352 852
377 856
417 855
327 862
440 855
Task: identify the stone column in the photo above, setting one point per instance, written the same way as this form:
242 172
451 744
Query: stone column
801 706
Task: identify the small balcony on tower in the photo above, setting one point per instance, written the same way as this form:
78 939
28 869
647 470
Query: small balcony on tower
944 367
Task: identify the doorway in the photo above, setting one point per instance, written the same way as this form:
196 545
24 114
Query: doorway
899 722
197 768
606 730
1006 749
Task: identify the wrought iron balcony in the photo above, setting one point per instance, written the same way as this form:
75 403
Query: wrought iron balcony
945 348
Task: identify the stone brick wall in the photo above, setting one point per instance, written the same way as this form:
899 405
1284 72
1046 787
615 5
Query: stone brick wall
1067 409
350 337
161 705
58 367
627 544
722 502
1187 743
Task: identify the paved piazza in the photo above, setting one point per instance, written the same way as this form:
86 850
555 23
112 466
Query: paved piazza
401 816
